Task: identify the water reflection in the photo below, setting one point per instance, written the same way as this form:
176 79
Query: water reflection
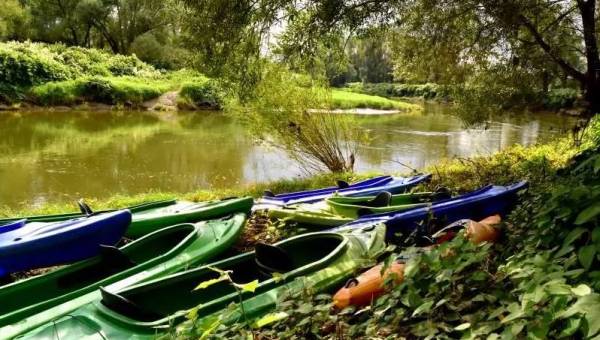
52 156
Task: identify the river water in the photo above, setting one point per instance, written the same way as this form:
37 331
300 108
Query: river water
57 156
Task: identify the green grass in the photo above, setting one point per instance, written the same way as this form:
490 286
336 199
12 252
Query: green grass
351 100
121 201
106 90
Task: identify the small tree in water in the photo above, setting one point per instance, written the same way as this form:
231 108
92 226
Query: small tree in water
291 111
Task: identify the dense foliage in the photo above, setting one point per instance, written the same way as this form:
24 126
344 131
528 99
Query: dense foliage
427 91
27 64
54 74
540 281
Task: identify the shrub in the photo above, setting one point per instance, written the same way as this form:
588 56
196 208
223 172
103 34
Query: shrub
25 67
27 64
560 98
206 94
107 90
56 93
427 91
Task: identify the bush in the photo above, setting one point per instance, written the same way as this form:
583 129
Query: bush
560 98
24 67
106 90
27 64
427 91
203 94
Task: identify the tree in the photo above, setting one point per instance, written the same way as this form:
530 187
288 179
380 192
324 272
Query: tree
449 39
14 19
96 23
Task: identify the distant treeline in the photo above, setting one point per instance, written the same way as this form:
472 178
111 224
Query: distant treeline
554 99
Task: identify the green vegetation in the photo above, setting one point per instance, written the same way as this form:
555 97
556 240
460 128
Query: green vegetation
539 281
427 91
121 201
347 100
58 75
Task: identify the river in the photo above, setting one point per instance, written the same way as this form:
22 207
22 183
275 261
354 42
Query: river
57 156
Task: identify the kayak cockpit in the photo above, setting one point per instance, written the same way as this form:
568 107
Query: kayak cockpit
157 300
113 260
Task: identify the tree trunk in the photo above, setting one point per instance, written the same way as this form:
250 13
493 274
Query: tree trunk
592 75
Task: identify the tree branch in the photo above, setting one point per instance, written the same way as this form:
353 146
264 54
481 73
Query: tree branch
568 68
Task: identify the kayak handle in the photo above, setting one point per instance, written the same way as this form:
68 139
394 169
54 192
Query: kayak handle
85 209
353 282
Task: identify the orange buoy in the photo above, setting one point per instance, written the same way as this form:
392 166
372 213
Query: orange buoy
484 230
367 286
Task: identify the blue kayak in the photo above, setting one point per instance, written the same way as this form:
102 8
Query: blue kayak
475 205
394 185
26 245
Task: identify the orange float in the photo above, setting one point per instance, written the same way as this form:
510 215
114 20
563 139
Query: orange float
484 230
368 286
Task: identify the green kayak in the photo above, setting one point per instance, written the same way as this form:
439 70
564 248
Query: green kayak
308 215
338 210
354 207
321 261
32 302
149 217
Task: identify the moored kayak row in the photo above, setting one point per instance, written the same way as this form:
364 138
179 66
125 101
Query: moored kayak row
149 285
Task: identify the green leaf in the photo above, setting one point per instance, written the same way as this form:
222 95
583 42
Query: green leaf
462 326
586 255
270 318
277 277
424 308
208 283
573 235
588 214
515 313
581 290
248 287
589 307
192 314
596 235
572 326
557 288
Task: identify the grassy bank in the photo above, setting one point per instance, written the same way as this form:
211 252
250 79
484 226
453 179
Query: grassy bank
56 75
554 99
51 75
342 99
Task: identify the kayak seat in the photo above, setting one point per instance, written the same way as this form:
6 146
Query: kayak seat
342 184
268 193
272 259
112 261
126 307
382 199
442 193
114 257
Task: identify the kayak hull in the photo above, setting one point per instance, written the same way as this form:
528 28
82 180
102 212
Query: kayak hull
351 251
204 241
152 216
36 245
150 220
394 185
476 205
